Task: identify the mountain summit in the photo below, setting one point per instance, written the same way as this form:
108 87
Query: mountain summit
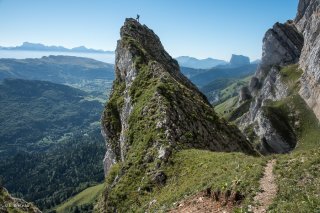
153 112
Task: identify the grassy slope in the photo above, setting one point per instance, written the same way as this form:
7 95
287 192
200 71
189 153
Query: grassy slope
298 173
191 171
229 98
188 171
233 89
195 170
87 196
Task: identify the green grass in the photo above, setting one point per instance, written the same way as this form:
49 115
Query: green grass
87 197
225 108
195 170
233 89
298 173
191 171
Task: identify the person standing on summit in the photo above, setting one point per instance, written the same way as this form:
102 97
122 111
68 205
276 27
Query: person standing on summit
138 16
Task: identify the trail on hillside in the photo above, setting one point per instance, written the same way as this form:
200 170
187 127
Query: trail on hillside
268 189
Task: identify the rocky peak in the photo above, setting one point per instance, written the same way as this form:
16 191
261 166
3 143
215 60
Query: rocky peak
239 60
282 45
145 37
155 111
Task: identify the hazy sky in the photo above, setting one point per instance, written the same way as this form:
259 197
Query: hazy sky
199 28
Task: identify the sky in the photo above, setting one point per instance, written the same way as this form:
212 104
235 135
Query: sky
198 28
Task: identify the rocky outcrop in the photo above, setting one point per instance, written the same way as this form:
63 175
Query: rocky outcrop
308 23
239 60
174 108
155 111
11 204
281 46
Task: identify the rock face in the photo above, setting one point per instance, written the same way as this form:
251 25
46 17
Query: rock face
154 111
281 46
11 204
294 42
239 60
308 23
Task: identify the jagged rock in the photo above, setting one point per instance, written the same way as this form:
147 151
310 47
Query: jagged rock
281 46
239 60
308 23
149 87
164 153
153 112
254 84
159 178
11 204
244 94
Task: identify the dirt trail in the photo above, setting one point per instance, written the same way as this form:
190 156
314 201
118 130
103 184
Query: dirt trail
268 187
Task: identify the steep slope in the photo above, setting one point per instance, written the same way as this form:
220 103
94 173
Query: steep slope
154 112
221 89
49 136
275 127
308 23
42 108
281 46
10 204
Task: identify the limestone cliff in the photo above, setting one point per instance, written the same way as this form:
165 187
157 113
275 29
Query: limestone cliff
154 111
308 23
11 204
282 46
295 42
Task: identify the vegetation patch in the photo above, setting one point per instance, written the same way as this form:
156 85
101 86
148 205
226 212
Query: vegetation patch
297 173
82 202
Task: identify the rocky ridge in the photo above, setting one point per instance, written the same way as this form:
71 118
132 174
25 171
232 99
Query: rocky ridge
295 42
282 45
308 23
11 204
154 111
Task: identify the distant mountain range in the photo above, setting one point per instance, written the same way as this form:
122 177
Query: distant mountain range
82 73
41 47
208 63
186 61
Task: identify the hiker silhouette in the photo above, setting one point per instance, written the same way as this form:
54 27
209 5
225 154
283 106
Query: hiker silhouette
138 16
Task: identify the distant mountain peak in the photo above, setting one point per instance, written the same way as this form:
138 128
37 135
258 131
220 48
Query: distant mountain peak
41 47
238 60
207 63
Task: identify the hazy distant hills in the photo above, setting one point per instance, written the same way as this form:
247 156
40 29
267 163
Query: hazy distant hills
214 80
82 73
50 133
45 109
186 61
41 47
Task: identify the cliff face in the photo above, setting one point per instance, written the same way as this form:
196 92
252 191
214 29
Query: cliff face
152 98
239 60
295 42
308 23
154 111
281 46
